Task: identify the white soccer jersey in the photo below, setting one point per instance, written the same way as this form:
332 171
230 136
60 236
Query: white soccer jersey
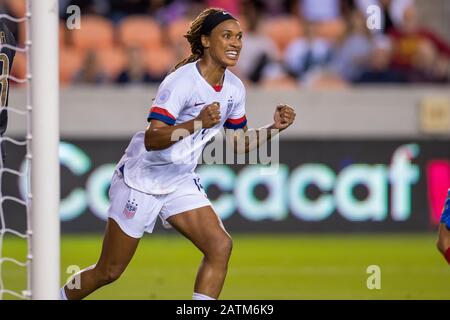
180 98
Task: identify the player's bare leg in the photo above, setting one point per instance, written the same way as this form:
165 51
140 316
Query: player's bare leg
205 229
117 251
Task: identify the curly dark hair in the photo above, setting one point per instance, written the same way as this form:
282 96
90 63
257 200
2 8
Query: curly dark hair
194 37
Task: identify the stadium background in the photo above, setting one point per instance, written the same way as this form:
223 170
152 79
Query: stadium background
364 170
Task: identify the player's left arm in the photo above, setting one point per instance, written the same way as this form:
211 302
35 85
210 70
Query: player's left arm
247 139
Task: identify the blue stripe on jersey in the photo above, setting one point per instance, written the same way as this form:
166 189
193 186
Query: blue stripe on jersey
161 117
230 125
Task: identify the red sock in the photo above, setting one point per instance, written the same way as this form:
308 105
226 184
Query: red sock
447 255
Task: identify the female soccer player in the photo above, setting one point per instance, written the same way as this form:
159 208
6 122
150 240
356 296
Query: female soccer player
443 243
156 174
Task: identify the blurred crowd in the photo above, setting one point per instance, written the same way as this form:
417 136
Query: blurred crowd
287 43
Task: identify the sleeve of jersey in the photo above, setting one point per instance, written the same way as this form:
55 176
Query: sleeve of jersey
161 114
237 119
169 101
237 123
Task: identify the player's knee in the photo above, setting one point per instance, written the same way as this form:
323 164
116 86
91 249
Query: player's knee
111 273
221 247
227 246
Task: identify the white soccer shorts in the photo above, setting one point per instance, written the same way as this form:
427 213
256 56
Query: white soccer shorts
136 212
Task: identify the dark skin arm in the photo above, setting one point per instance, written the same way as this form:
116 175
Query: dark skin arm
243 143
159 135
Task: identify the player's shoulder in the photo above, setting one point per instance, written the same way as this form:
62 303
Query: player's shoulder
234 81
182 73
180 79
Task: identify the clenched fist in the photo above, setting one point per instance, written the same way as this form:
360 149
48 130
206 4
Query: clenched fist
284 116
210 115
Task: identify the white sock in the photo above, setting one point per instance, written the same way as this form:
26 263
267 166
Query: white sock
63 294
199 296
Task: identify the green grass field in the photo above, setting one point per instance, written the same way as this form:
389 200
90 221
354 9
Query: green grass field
266 267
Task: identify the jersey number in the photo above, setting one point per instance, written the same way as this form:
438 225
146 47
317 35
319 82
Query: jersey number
4 59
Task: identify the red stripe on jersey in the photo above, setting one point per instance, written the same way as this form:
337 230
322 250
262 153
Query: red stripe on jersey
162 111
236 121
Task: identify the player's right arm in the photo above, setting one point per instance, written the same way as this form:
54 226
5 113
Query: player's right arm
160 135
174 94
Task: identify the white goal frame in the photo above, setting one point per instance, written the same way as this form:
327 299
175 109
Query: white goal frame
45 172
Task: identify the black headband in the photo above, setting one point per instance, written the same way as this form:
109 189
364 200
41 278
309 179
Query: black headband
213 20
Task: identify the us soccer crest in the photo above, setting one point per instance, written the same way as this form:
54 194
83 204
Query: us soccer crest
130 209
230 103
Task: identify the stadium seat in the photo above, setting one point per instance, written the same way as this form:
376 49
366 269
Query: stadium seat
140 31
70 61
175 33
282 30
177 29
112 61
96 33
159 61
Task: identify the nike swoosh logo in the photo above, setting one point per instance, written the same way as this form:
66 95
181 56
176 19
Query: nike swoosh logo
198 104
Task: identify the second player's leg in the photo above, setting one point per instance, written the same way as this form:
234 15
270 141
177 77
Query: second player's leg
117 250
203 227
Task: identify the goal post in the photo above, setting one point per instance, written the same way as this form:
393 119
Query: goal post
45 175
